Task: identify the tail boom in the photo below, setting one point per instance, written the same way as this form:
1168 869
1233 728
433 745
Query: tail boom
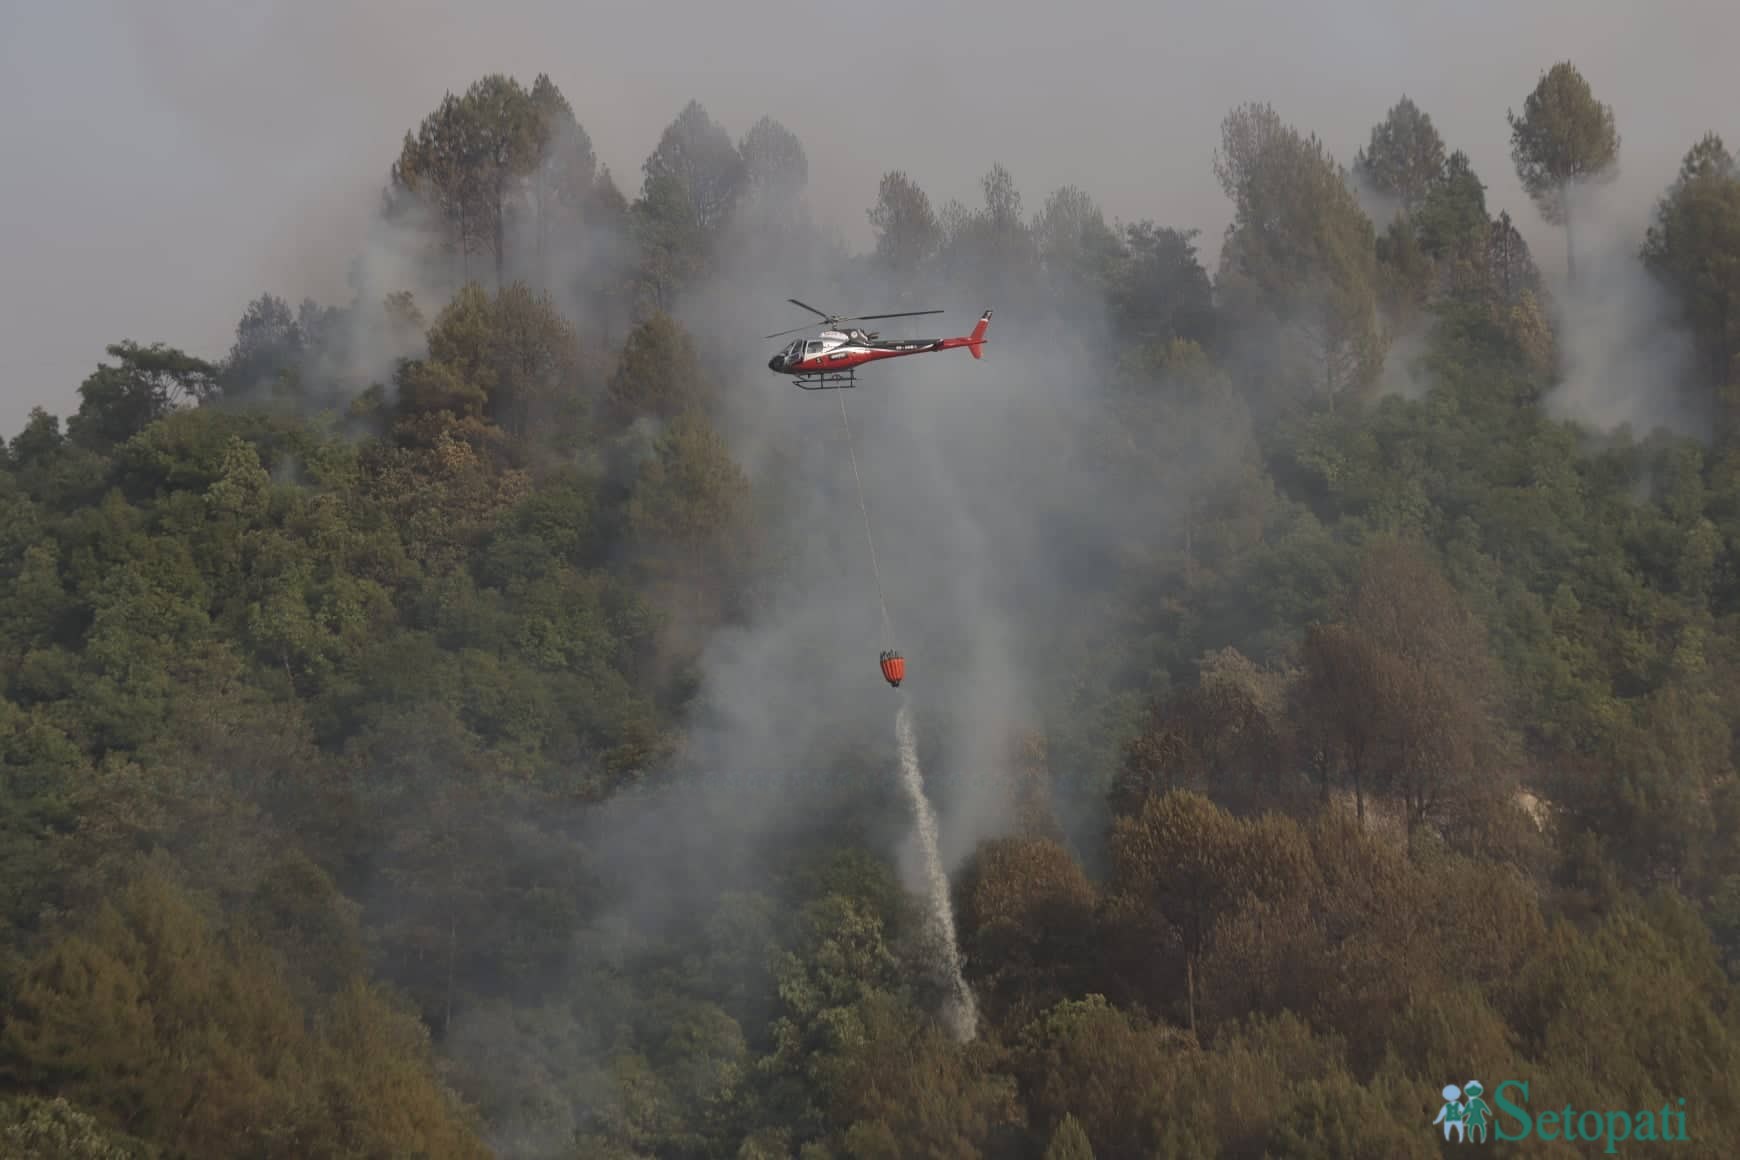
974 342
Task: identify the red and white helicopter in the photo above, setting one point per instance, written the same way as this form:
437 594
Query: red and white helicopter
830 360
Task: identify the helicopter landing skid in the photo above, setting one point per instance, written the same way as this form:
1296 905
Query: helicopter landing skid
835 381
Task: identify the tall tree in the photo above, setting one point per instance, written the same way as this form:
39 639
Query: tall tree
470 164
1224 737
117 402
697 156
774 164
1402 163
1405 156
1564 137
1453 217
688 519
1693 246
772 222
1300 254
611 260
1160 290
434 173
671 242
565 170
268 341
993 245
691 184
1077 249
1402 699
505 148
907 231
1510 268
1338 735
609 207
1178 868
1002 199
1026 923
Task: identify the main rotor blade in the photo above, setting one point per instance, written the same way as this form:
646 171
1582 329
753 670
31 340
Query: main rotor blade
793 330
809 308
833 319
903 314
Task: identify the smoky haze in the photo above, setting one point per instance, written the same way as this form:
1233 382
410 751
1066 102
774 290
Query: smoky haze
184 159
168 162
980 519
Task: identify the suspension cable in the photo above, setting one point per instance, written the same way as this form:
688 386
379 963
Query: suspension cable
875 572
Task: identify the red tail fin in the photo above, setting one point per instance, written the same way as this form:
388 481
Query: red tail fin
976 341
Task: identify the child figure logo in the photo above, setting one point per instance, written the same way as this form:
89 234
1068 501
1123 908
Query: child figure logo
1450 1115
1466 1117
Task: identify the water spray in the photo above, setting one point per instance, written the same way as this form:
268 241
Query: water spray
960 1011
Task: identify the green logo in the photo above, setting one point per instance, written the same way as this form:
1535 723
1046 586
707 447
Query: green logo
1466 1117
1464 1112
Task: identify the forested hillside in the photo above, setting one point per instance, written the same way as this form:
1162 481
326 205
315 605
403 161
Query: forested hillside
447 724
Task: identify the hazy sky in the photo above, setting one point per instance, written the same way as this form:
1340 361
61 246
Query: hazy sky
165 161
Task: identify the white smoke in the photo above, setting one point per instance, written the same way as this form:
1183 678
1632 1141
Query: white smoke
1625 355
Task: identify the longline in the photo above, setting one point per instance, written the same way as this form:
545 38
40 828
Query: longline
875 572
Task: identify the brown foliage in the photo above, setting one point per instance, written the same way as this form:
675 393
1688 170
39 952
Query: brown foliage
1403 698
1178 868
1226 736
1034 815
1026 920
166 1029
905 1090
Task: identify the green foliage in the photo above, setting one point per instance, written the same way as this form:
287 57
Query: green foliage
117 402
565 188
907 231
1390 736
1404 159
992 245
1564 139
658 376
1564 135
469 158
1300 257
1069 1141
774 165
1076 247
512 359
1453 215
1159 290
696 156
53 1129
1693 247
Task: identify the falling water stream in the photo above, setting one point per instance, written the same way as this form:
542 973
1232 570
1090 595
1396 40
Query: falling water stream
961 1011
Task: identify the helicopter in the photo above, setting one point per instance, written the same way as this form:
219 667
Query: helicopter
831 359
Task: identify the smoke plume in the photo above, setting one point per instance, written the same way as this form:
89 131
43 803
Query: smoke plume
1625 357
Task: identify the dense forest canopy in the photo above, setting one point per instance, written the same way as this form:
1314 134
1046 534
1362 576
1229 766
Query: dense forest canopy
447 724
